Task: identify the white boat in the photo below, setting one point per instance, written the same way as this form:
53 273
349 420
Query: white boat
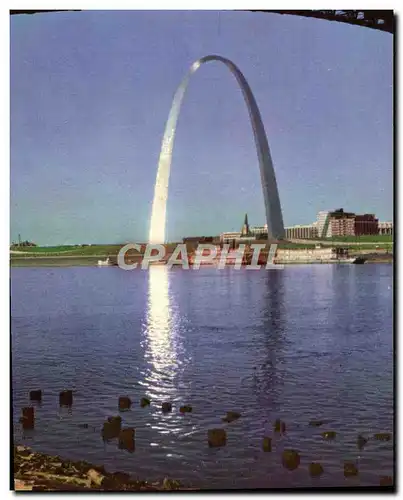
102 263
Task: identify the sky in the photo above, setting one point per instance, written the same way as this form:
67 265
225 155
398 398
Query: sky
91 92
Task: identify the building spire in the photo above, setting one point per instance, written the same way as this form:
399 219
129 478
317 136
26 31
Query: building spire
245 227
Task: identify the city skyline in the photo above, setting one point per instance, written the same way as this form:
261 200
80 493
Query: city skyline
85 139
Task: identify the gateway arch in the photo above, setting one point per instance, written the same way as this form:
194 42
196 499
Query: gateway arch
274 216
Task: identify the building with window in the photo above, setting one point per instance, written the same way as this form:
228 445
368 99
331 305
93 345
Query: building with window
301 232
365 224
385 228
322 224
341 223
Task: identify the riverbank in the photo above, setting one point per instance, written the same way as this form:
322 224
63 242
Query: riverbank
40 472
72 261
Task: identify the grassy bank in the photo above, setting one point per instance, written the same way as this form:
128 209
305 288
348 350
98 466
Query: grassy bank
367 238
65 250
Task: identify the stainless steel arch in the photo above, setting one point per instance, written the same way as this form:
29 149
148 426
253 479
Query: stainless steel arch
274 216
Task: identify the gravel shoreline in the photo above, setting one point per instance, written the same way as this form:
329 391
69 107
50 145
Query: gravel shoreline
40 472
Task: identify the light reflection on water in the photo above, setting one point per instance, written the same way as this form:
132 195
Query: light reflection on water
163 351
159 349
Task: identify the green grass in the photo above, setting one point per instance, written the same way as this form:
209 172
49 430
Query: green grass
67 250
376 238
290 245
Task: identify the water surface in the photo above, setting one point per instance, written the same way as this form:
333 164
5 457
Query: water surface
307 342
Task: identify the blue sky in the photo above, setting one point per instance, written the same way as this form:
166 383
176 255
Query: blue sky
91 92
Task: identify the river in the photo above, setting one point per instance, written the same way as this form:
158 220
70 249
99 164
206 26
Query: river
306 342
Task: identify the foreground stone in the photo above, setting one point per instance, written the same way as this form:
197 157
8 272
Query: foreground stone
66 398
185 409
329 434
231 416
291 459
266 444
350 469
279 426
383 436
28 418
216 437
35 395
361 442
39 472
166 407
124 403
111 428
126 439
144 402
315 469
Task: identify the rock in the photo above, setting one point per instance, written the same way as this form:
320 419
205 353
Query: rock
386 481
329 434
35 395
185 409
126 439
116 421
66 398
170 484
216 437
231 416
109 432
266 444
124 403
23 450
291 459
114 481
20 485
95 477
350 469
166 407
361 441
279 426
144 402
316 423
28 418
111 428
383 436
315 469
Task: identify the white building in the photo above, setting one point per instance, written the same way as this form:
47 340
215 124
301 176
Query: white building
228 237
322 224
385 227
307 231
256 230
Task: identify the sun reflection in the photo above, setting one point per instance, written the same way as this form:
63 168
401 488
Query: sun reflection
160 352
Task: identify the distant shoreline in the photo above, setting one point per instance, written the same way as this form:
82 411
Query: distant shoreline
92 261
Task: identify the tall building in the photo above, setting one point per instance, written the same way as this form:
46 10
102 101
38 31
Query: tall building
322 224
366 224
341 223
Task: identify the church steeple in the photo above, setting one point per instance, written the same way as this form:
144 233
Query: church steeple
245 227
